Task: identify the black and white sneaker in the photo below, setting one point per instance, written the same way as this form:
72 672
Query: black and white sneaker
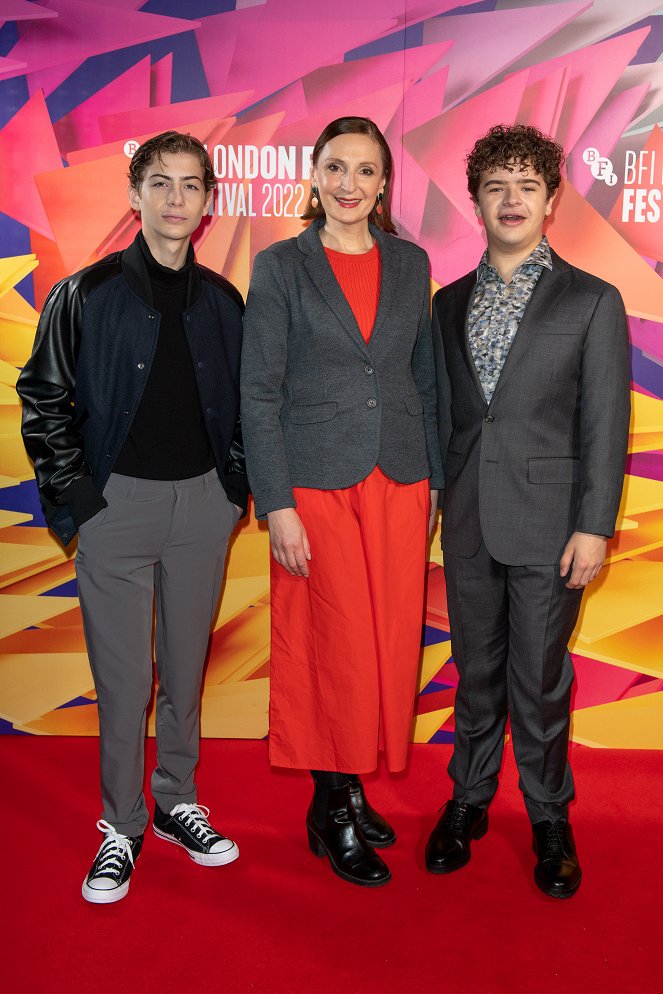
187 826
108 879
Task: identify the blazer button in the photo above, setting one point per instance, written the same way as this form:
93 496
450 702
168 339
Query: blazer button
369 370
141 365
489 419
371 402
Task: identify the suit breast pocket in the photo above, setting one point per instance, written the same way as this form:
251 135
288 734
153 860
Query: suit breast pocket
561 327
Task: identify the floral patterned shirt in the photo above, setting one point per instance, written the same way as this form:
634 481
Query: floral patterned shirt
496 311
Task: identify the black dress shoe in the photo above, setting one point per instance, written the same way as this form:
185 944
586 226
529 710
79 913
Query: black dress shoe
557 872
448 847
350 855
376 830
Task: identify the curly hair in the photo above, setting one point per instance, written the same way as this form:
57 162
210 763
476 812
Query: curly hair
169 143
357 126
508 146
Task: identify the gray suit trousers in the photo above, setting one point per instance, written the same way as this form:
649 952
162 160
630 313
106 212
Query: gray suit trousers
510 626
164 542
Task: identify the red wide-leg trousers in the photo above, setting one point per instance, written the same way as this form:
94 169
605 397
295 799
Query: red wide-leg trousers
346 641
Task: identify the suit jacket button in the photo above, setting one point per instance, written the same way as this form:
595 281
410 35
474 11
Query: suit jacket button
368 370
489 419
371 402
141 365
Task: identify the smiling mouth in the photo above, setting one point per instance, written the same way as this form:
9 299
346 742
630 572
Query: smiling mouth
342 202
512 218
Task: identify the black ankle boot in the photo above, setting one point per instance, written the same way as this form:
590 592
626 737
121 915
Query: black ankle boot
376 830
332 832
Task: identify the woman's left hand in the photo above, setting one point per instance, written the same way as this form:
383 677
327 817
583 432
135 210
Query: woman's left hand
432 520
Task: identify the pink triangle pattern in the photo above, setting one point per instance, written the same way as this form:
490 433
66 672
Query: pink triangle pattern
85 29
27 138
592 74
161 81
474 59
603 133
128 92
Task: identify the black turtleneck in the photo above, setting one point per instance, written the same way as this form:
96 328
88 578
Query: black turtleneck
168 439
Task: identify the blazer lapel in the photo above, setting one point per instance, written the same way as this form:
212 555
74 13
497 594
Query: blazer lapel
464 293
550 286
390 264
321 273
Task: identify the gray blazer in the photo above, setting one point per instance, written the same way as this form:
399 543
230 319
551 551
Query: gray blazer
546 457
320 407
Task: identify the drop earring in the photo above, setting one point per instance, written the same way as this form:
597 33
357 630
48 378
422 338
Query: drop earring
378 209
315 203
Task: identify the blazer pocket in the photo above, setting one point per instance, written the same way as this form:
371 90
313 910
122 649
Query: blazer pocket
553 470
310 414
561 327
415 405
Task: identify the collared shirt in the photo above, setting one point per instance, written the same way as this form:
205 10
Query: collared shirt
496 311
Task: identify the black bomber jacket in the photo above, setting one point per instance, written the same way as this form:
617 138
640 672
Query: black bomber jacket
92 356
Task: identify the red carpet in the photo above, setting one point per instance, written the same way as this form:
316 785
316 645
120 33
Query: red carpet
278 921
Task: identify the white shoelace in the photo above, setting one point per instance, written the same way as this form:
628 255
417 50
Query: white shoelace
114 851
195 816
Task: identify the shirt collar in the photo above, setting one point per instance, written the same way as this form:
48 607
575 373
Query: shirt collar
540 256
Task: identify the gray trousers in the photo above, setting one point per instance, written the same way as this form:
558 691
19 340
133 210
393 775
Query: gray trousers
510 626
162 542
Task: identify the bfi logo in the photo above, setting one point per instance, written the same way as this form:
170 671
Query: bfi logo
600 167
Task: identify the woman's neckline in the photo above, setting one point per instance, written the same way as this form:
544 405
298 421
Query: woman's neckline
352 255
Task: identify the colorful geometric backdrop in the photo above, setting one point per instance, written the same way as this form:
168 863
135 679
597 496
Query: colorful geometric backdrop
82 82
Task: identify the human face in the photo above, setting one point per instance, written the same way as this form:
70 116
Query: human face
513 203
349 175
171 201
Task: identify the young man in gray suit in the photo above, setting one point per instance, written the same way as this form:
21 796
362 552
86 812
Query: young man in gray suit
533 369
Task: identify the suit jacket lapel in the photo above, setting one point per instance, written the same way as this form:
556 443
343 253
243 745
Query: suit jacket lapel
550 286
318 267
390 274
321 273
464 293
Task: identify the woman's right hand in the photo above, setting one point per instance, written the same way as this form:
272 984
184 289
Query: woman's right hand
287 536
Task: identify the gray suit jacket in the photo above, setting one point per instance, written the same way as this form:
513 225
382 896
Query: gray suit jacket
320 407
546 457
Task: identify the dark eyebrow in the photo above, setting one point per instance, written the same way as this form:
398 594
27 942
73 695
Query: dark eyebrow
531 179
163 176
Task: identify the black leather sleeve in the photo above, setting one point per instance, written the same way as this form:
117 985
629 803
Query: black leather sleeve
235 480
46 388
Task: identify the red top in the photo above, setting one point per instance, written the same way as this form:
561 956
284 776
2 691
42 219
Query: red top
359 278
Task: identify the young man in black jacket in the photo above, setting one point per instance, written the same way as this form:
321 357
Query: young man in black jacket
130 414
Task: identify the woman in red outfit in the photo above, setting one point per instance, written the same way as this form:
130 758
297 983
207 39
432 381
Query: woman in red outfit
340 434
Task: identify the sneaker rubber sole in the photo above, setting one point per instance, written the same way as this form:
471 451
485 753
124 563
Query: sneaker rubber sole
95 896
203 859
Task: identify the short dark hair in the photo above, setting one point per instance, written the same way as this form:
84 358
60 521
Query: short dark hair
357 126
505 146
169 143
